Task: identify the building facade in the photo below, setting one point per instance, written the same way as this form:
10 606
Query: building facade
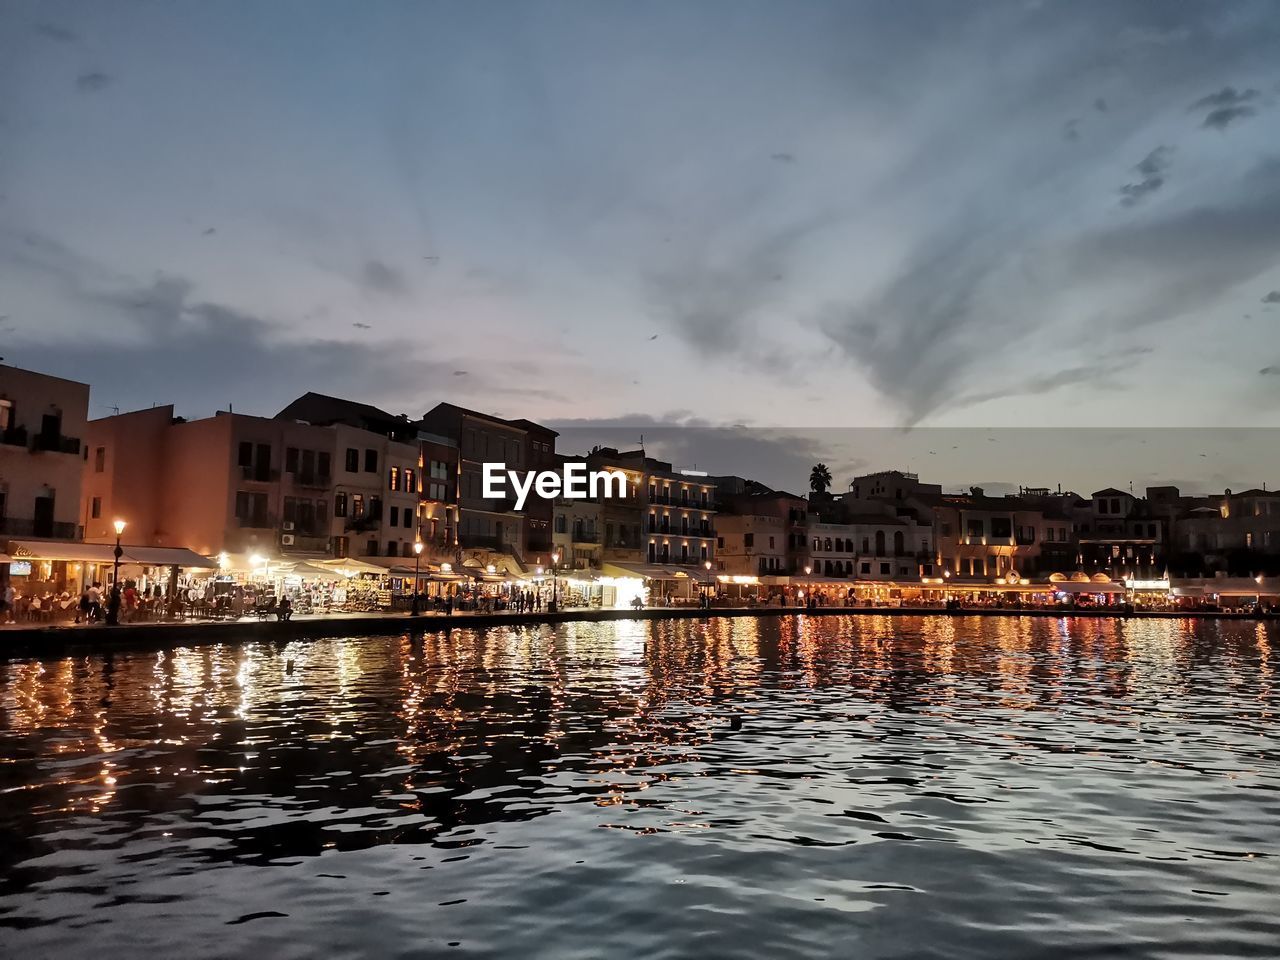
42 427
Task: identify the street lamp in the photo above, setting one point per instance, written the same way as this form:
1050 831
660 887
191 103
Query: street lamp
417 558
555 592
113 602
706 586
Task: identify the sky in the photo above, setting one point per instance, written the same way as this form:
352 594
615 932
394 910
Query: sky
725 214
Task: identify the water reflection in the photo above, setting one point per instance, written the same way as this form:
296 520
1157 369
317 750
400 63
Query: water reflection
1036 777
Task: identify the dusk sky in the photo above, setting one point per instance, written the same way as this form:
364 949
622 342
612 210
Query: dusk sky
805 214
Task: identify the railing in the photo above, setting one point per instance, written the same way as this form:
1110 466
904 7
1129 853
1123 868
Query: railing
55 443
22 527
586 536
688 504
311 543
313 479
260 521
259 475
363 523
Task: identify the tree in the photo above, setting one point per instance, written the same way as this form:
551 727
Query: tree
819 478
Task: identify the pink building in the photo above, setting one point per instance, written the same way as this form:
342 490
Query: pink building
243 485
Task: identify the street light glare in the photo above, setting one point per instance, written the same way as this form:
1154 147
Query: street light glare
119 525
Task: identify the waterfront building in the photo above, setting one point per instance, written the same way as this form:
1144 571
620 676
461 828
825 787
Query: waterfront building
42 424
243 485
493 523
788 555
1236 533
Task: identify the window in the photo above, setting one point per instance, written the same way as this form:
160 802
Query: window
340 505
395 517
357 506
720 543
353 460
1001 528
95 509
244 457
371 461
771 543
561 523
264 457
1048 535
748 540
99 459
6 414
393 478
322 464
975 527
371 548
866 568
408 517
291 460
884 568
410 486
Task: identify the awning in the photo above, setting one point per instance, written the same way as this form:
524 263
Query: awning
656 571
56 550
5 558
312 571
105 553
167 557
350 566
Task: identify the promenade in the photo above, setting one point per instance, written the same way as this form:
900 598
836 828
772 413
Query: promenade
23 641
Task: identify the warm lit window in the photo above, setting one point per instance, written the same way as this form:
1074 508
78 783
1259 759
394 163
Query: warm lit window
99 459
393 478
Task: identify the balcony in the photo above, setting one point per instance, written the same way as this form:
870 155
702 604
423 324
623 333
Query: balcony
258 521
586 536
44 530
55 443
14 437
259 474
320 481
362 524
307 543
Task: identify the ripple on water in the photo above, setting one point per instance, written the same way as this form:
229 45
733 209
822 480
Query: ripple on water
787 787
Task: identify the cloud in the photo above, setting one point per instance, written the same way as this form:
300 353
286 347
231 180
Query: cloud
1100 375
1071 129
381 278
92 82
1100 105
1272 297
783 157
54 32
1271 371
780 458
1226 106
963 299
1152 167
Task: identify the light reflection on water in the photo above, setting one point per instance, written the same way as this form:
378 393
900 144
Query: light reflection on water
899 786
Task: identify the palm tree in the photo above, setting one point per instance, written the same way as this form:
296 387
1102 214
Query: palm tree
819 478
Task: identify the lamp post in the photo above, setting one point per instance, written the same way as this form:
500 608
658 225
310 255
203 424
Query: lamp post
417 558
113 602
555 591
809 593
706 586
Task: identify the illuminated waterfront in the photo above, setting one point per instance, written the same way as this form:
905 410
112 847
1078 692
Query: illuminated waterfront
925 786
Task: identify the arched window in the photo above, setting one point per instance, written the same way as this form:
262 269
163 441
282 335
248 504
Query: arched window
899 543
879 543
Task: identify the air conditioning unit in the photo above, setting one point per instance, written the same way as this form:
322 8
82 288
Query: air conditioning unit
288 524
287 540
